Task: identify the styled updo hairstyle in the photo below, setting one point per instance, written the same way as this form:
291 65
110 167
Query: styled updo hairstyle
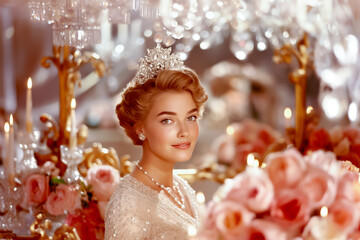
137 98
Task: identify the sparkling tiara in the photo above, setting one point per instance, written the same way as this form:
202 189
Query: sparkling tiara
157 59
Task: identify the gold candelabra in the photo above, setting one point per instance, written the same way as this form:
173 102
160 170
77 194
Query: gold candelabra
68 61
298 78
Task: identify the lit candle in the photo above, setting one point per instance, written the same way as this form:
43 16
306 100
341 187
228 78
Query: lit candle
11 166
287 116
29 121
72 141
6 146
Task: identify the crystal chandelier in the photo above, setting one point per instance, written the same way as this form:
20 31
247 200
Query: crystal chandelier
249 24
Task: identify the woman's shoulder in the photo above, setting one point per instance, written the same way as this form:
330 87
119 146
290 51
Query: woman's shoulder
130 194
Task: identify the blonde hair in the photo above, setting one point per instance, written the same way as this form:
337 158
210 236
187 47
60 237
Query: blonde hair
137 98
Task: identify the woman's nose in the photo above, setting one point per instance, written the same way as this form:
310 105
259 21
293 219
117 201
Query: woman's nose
183 130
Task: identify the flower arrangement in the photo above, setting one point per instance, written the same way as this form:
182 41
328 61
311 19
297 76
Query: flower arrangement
248 136
81 203
343 141
293 197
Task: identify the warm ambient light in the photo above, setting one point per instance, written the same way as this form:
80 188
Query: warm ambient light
11 120
29 83
353 112
200 197
73 103
287 113
6 127
324 211
230 130
192 232
309 109
251 161
188 171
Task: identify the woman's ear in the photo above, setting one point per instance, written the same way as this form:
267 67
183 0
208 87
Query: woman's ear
138 128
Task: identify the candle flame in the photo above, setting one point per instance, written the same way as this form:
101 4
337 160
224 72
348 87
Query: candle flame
309 109
6 127
287 113
11 120
200 197
324 211
29 83
73 103
230 130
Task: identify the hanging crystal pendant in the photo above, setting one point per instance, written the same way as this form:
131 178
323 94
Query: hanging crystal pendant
334 102
334 60
241 45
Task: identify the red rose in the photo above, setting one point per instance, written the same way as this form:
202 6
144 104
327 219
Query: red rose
319 139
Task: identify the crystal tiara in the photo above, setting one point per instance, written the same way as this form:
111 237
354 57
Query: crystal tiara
157 59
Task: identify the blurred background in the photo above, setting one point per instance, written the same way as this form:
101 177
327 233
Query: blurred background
232 52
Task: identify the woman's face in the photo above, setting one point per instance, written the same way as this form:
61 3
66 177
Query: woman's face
171 127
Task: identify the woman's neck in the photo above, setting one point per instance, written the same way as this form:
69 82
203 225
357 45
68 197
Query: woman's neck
160 170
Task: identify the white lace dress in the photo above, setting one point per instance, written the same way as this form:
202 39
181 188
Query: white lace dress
135 211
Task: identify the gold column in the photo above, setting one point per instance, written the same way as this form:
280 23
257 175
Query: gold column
298 77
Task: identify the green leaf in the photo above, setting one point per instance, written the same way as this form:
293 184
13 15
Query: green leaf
57 181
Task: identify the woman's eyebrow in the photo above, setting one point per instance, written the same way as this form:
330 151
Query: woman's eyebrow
166 113
173 113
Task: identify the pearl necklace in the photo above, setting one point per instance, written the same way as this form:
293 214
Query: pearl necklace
169 190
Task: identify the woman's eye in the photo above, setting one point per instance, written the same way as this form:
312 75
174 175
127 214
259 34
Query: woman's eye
166 121
193 118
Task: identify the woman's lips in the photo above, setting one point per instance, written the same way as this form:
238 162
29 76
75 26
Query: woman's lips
182 145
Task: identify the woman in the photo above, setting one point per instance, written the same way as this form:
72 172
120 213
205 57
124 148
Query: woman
159 110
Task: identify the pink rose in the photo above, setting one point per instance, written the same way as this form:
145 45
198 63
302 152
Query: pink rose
64 199
348 187
253 189
225 149
324 160
245 131
265 230
37 189
103 180
345 215
291 208
209 230
320 228
286 168
102 206
319 186
354 235
231 218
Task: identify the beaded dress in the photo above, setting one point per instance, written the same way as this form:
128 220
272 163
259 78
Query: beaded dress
135 211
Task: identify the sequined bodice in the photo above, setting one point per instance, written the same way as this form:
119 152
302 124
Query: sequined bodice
136 211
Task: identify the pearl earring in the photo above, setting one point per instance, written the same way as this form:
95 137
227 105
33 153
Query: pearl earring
141 137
